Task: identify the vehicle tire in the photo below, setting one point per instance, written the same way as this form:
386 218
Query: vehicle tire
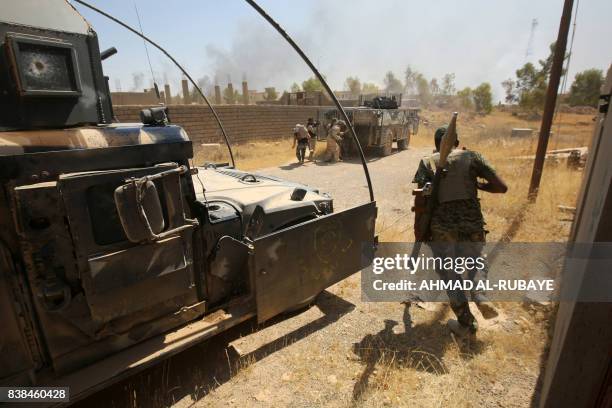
402 144
387 143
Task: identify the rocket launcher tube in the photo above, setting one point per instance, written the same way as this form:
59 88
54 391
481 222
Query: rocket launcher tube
446 146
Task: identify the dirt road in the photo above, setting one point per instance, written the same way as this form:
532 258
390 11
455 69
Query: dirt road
345 352
345 181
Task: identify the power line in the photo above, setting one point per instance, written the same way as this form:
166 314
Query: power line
559 114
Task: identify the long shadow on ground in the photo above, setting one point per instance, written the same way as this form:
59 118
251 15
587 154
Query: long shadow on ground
421 347
200 369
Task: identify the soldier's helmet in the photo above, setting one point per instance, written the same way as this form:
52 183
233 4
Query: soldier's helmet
439 134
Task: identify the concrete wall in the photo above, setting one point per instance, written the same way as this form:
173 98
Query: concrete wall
242 123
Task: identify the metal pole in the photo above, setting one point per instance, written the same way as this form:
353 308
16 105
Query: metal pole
551 99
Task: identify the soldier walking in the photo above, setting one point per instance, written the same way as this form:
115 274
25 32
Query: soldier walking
312 126
334 138
300 138
457 224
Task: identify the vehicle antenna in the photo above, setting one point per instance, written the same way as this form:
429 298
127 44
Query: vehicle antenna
147 52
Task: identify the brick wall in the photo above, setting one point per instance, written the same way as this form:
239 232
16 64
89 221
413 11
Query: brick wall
243 123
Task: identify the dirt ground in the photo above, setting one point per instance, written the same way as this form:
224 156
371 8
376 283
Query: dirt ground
346 352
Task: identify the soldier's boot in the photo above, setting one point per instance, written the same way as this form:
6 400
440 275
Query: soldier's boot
461 330
486 307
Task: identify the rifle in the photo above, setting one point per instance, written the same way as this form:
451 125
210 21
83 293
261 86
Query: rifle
423 223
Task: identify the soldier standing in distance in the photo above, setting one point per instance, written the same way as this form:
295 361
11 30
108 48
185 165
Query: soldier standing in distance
312 127
334 138
301 138
457 223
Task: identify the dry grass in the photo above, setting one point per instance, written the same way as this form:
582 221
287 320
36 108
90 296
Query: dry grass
490 135
252 156
425 367
506 368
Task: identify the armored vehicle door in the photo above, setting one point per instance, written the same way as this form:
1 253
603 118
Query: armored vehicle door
297 263
123 270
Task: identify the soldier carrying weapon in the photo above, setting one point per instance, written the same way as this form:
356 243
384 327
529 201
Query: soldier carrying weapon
448 214
313 128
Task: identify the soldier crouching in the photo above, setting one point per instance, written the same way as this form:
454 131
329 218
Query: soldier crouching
334 138
457 224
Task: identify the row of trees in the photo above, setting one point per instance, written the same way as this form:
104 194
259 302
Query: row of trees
528 88
428 91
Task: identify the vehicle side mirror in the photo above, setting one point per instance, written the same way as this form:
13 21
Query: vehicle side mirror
140 210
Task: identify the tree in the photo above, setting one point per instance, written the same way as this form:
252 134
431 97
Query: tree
312 84
531 83
369 88
270 94
448 84
410 77
483 99
295 87
465 98
509 88
586 88
392 84
434 88
423 90
353 84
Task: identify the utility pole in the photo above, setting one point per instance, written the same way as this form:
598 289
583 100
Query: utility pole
551 99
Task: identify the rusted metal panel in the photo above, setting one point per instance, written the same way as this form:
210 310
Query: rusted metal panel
297 263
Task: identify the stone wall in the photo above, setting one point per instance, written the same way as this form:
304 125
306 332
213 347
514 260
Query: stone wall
243 123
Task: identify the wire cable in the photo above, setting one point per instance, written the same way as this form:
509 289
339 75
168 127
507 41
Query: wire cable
558 113
147 52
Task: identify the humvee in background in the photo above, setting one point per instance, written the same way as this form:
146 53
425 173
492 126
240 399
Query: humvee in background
115 251
379 121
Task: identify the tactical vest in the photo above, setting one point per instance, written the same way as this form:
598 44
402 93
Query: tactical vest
458 182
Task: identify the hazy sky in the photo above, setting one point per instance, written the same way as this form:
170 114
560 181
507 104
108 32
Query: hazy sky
478 40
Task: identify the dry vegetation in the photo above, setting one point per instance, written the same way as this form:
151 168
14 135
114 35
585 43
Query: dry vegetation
503 369
250 156
422 365
490 135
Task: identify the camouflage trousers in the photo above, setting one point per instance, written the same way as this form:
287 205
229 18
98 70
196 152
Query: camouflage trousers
300 151
457 244
333 151
312 146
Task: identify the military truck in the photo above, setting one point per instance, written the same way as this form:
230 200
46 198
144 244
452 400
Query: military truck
379 121
115 251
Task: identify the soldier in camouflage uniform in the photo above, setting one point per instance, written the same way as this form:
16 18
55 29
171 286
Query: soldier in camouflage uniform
457 224
300 138
313 128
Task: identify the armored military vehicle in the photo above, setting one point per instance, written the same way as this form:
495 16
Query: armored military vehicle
379 121
115 251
